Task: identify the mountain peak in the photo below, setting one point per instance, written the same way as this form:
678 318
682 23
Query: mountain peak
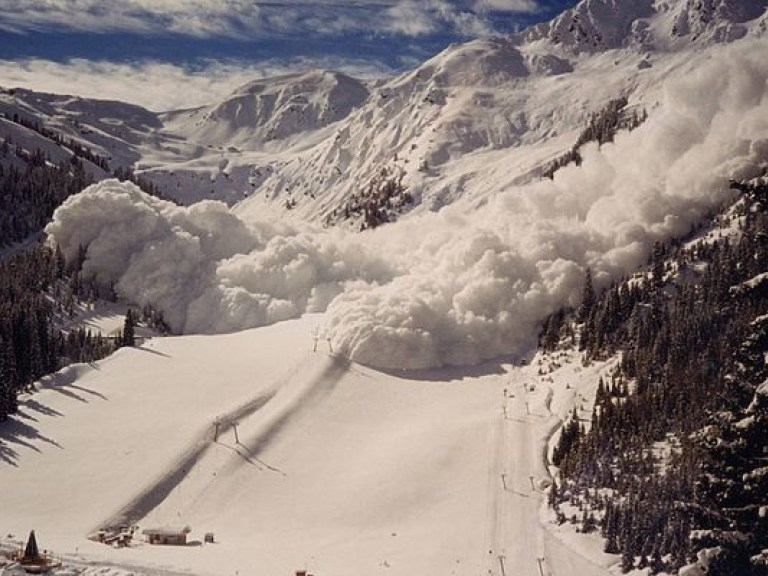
276 108
596 25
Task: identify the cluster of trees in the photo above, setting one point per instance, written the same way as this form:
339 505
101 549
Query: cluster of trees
77 149
38 290
385 197
676 457
29 195
30 345
601 128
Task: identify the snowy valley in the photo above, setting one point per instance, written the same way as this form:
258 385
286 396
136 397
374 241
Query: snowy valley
393 321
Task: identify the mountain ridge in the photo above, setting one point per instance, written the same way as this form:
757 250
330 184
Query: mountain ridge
322 146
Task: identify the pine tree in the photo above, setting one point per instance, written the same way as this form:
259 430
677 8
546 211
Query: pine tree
587 298
128 336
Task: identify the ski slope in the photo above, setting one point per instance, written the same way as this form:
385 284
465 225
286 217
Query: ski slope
315 463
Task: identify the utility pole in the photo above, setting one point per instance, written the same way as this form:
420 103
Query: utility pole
234 427
501 563
540 562
504 481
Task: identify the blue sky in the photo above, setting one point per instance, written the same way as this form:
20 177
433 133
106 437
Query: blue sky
136 50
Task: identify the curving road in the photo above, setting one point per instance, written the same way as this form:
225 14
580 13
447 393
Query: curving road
518 543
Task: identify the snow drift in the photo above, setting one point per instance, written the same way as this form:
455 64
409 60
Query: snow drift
458 286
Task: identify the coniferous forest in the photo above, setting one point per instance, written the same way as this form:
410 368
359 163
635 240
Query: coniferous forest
675 460
32 188
37 288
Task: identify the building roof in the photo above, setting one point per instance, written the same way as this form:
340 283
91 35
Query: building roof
165 531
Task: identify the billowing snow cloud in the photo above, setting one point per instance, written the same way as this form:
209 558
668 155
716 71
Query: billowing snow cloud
206 269
455 287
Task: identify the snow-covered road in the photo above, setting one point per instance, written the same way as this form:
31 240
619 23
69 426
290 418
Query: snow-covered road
519 544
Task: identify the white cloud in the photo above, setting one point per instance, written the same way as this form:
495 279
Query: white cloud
155 85
507 5
248 18
190 17
421 17
456 287
412 18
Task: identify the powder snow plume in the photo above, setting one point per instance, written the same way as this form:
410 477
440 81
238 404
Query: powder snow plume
452 288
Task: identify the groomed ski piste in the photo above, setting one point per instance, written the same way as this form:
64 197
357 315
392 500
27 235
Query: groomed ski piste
296 459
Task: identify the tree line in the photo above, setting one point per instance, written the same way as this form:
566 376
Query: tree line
29 194
75 147
39 292
32 187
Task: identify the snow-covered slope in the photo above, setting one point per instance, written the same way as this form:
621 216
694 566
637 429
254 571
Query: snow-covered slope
332 467
114 130
482 116
275 109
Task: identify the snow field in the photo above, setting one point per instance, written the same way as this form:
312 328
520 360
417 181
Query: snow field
340 469
93 437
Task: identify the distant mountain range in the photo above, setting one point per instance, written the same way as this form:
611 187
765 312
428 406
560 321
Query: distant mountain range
475 119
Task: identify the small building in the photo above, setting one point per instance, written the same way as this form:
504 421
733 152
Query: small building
167 536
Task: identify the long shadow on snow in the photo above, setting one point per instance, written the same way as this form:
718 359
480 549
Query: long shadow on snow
323 384
151 497
63 382
18 430
253 460
151 351
154 494
14 431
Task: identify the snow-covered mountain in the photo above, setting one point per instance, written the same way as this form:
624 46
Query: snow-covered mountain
332 149
472 130
270 110
498 108
598 25
329 415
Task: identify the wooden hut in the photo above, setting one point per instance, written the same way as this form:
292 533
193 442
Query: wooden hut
166 536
